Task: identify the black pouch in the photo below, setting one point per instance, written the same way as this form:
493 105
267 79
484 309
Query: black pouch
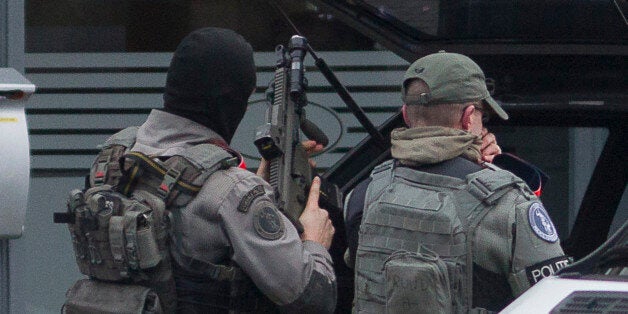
99 297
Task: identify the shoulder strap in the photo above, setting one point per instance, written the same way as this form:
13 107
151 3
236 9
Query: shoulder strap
208 158
381 176
125 137
182 174
491 183
487 186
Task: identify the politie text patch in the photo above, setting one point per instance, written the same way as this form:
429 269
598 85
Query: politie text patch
541 223
248 199
546 268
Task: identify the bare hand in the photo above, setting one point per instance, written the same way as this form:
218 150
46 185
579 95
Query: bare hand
263 170
310 147
489 148
317 226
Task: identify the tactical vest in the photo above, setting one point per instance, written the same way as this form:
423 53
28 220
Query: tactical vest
415 249
120 226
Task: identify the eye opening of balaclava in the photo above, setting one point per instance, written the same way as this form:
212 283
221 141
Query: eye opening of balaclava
210 78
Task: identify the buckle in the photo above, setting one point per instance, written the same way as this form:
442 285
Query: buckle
101 170
170 179
414 99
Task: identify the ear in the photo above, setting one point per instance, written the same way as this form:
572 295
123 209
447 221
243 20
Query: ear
467 118
404 114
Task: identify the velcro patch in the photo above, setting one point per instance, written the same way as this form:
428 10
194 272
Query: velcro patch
248 199
541 223
546 268
268 223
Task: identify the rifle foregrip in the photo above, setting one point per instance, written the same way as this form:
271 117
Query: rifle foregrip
313 132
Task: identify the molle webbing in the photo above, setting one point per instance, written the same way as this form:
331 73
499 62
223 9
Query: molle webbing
412 211
106 169
407 211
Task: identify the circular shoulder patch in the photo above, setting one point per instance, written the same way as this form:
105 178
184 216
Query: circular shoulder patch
541 223
268 223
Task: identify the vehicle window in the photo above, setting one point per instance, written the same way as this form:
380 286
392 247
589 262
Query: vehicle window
158 26
565 21
622 213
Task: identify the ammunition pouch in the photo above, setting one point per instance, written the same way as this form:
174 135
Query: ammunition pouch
93 296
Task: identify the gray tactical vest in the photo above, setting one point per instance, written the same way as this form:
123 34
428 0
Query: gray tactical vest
121 226
416 238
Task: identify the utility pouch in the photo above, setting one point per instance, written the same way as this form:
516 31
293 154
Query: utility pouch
120 224
99 297
416 283
114 236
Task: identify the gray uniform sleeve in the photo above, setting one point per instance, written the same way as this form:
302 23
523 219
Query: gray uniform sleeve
519 240
294 274
536 249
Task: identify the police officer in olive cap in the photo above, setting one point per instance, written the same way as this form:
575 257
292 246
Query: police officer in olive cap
438 228
232 250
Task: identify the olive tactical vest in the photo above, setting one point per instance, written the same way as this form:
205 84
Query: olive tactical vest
121 225
416 238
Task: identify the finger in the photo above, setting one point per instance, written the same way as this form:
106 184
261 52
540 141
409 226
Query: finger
312 163
309 145
312 200
490 153
484 131
492 149
488 139
488 158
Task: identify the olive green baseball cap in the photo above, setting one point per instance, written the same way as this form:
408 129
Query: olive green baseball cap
451 78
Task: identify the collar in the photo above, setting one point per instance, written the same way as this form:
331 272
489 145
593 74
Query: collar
166 134
433 144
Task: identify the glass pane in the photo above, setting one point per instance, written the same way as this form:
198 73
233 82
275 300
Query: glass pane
158 26
565 21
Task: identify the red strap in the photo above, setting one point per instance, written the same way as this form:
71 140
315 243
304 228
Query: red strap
538 191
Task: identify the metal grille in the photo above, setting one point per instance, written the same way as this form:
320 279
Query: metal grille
611 302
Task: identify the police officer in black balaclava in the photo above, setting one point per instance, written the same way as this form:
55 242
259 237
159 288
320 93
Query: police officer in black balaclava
226 241
203 87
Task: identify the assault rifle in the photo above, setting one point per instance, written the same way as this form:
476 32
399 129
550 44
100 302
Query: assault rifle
278 140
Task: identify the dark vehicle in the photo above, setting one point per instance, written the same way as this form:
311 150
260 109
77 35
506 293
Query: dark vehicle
551 64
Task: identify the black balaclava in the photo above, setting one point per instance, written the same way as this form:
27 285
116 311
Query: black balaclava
210 79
